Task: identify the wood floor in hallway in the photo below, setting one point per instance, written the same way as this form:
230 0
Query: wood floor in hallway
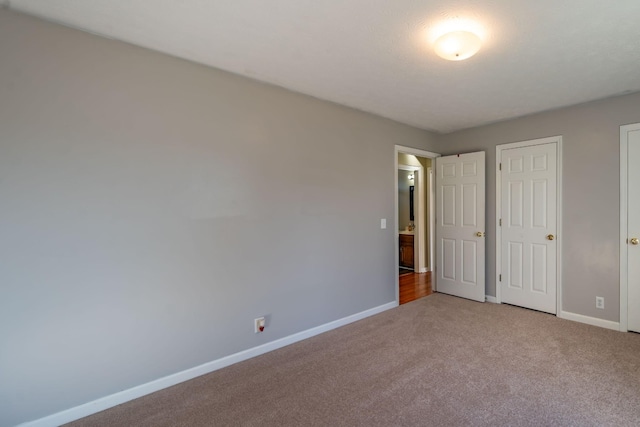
414 286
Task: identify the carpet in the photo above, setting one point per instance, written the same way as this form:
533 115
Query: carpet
437 361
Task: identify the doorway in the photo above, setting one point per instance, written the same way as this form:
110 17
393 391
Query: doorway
414 231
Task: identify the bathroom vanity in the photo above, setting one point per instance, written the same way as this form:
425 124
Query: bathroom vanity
406 249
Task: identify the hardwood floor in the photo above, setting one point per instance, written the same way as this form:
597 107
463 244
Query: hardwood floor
414 286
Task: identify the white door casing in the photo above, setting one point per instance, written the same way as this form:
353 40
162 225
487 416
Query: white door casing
460 225
629 228
528 224
432 226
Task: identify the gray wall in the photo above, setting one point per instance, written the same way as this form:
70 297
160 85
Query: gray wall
591 186
152 208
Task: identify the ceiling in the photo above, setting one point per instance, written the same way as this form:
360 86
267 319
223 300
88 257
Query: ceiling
377 56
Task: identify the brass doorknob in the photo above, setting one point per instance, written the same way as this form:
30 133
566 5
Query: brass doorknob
480 234
633 240
550 237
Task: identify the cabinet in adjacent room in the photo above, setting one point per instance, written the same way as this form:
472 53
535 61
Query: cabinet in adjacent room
406 250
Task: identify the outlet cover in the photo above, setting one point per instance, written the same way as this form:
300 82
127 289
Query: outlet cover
258 325
600 302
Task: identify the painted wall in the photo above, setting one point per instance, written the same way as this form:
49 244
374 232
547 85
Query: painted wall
152 208
408 160
591 186
426 164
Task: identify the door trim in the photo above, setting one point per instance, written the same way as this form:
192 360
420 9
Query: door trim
559 239
416 152
624 175
432 223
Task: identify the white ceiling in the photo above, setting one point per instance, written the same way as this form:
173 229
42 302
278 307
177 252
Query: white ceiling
376 56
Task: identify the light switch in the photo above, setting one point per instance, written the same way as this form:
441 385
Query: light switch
383 223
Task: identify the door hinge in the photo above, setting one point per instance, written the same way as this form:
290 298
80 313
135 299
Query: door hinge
500 278
500 168
500 222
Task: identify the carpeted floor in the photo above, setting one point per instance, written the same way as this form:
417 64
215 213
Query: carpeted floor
437 361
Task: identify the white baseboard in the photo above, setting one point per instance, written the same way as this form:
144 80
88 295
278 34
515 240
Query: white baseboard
112 400
608 324
594 321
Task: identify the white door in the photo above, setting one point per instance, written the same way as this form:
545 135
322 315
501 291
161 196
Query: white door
632 133
460 225
528 218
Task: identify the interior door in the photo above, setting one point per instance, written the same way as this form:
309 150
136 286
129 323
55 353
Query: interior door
460 225
633 228
528 226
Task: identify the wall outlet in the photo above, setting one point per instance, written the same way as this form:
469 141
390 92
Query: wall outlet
258 325
600 302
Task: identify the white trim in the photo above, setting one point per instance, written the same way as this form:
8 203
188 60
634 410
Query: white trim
594 321
559 234
432 223
419 153
396 240
489 298
530 142
624 176
118 398
420 257
497 226
623 229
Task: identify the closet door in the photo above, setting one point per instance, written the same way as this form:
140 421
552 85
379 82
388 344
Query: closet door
630 219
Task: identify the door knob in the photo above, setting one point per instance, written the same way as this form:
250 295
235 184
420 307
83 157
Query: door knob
480 234
633 240
550 237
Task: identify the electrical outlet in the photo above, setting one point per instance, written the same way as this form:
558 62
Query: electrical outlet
258 325
600 302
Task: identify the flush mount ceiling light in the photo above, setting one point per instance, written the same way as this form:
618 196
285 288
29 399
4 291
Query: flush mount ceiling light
457 45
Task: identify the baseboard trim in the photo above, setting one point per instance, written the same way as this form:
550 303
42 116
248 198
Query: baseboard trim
489 298
115 399
607 324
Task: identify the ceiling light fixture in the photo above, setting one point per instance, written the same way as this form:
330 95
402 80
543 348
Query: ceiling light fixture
457 45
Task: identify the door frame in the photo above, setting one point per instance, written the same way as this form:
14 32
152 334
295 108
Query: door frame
624 248
432 223
559 235
420 153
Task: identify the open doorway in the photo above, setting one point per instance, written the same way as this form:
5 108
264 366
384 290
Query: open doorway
414 221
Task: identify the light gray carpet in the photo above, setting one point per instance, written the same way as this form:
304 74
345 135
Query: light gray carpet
439 361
